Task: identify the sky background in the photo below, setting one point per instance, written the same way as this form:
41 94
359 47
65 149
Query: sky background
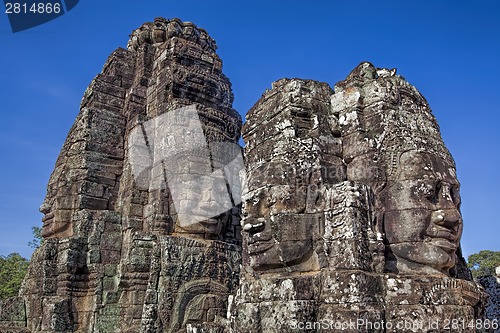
450 50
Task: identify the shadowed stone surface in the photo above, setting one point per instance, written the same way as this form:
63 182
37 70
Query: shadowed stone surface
351 208
491 285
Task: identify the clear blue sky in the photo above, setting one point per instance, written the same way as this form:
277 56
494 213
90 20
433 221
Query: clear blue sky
450 50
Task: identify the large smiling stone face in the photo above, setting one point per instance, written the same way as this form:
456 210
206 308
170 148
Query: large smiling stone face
422 223
277 234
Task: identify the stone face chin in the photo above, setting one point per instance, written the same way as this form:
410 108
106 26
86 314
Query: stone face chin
432 258
349 208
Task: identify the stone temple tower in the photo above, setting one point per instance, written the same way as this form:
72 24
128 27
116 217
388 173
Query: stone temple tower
119 254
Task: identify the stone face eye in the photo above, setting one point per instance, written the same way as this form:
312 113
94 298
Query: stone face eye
431 191
437 189
455 195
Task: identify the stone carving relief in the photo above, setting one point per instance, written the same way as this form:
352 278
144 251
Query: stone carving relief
350 210
375 223
147 250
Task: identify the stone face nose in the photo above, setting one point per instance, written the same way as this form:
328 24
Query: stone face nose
45 208
449 218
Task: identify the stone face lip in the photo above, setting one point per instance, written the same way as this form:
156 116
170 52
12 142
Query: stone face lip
348 212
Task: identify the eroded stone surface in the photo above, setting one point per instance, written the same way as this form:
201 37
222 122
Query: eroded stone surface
491 285
115 257
351 210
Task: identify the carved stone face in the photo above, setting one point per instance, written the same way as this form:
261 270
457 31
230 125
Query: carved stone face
190 32
173 29
202 207
277 234
201 199
57 206
422 223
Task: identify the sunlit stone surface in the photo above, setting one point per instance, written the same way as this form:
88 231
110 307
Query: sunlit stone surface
351 217
347 219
